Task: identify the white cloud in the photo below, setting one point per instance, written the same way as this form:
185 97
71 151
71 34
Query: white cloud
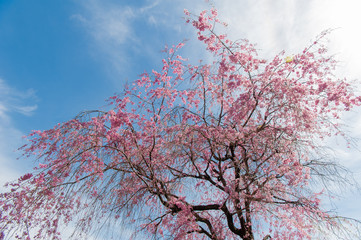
121 31
274 25
12 101
26 110
152 5
281 25
109 25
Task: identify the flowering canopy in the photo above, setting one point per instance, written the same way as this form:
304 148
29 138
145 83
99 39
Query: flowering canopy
210 151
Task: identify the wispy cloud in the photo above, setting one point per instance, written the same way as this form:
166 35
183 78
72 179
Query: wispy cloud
12 101
123 33
274 26
109 24
110 28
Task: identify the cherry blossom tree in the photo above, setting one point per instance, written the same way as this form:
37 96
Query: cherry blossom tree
225 150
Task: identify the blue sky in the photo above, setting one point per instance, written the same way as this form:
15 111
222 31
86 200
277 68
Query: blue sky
60 57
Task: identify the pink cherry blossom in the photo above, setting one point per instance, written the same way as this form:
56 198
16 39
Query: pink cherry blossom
219 151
